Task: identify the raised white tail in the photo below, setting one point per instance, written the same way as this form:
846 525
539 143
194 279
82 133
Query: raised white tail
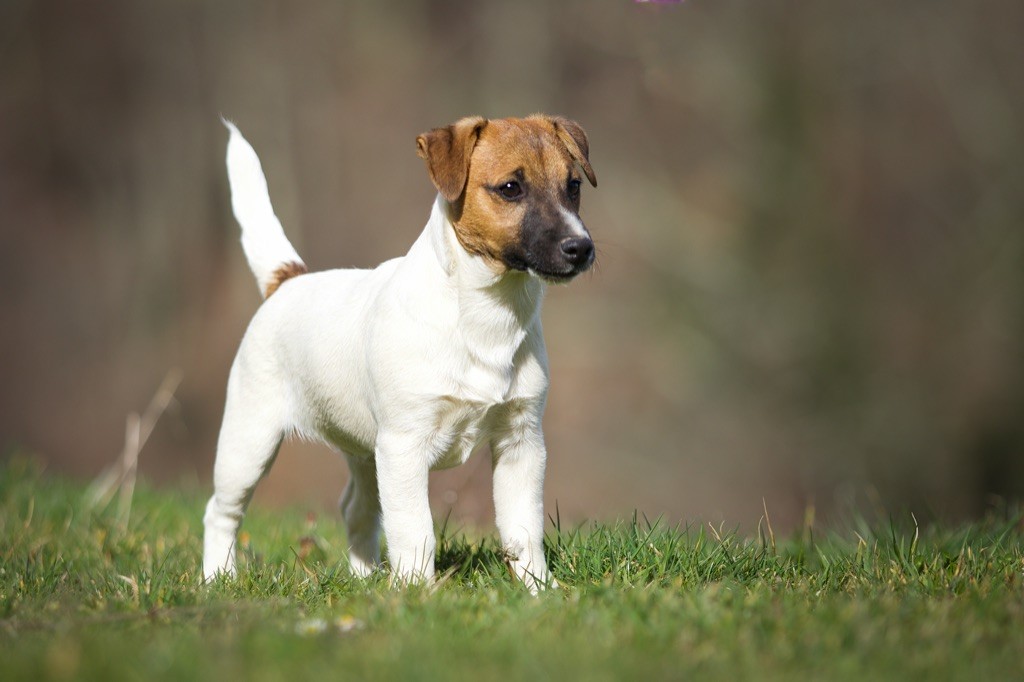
271 256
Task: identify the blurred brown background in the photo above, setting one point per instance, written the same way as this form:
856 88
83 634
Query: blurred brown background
811 276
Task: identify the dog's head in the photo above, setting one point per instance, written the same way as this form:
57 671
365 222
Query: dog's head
514 188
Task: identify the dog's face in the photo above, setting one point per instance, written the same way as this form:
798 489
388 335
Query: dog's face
514 188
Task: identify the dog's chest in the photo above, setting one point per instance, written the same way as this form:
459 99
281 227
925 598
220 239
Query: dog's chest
466 416
461 426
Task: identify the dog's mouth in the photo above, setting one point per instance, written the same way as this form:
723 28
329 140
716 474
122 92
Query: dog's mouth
555 266
554 277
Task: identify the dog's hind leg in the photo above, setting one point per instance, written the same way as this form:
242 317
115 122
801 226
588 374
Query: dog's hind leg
360 507
249 440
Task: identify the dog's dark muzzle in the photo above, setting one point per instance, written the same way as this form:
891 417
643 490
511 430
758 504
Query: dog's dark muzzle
551 248
562 260
578 252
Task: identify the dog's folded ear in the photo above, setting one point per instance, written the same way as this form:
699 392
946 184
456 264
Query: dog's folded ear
575 140
447 151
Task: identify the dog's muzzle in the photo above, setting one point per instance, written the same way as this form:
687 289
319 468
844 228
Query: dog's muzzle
578 252
551 248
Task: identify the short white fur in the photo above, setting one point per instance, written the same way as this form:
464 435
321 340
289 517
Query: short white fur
405 368
574 222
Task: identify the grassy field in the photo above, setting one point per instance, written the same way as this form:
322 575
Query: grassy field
83 597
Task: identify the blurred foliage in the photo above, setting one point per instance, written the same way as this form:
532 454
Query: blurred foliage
811 281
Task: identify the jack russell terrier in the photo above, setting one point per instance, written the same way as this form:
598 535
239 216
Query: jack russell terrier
410 366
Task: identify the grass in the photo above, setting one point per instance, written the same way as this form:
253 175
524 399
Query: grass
83 597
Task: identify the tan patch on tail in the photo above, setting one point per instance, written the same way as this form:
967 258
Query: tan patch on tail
283 274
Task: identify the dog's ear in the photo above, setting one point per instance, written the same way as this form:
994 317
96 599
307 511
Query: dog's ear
575 140
447 151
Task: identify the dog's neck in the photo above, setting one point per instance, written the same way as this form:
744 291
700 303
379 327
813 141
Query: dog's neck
493 308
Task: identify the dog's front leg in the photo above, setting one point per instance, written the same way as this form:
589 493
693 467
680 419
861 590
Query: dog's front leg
402 471
519 459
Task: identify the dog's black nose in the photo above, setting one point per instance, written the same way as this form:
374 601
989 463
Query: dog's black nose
578 250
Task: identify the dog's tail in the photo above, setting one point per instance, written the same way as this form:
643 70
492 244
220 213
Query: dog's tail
271 256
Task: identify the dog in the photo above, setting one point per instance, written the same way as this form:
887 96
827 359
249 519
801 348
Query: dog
411 366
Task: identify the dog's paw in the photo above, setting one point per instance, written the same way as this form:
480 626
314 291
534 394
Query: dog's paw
360 567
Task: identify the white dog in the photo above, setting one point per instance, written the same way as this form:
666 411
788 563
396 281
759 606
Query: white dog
410 366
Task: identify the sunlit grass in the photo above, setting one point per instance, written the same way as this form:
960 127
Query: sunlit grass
82 597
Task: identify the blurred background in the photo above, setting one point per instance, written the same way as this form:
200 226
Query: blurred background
810 290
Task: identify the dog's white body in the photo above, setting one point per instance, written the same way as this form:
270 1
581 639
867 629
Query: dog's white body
405 368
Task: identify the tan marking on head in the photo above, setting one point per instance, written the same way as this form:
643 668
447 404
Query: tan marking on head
470 159
284 273
447 151
575 139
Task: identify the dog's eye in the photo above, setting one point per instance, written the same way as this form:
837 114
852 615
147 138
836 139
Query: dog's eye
574 189
511 190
